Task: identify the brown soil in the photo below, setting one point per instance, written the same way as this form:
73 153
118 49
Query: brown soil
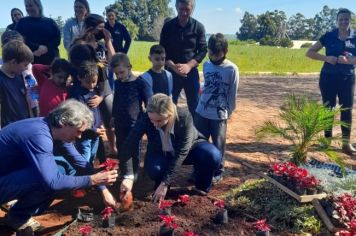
259 99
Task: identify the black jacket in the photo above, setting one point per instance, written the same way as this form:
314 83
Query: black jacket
185 135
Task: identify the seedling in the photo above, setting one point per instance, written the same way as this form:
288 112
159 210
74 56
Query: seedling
189 233
262 228
110 164
169 225
108 218
183 199
165 207
85 230
221 217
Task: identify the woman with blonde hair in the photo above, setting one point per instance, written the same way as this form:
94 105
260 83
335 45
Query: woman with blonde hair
172 141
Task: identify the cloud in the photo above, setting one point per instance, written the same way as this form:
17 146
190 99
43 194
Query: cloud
238 10
219 9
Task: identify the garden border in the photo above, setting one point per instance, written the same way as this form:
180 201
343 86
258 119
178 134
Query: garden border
301 199
324 217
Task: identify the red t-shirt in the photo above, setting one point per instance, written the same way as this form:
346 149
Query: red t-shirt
50 97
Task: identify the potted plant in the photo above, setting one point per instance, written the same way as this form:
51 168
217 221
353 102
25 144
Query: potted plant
168 226
183 199
302 123
221 217
107 217
189 233
310 183
85 230
262 228
165 207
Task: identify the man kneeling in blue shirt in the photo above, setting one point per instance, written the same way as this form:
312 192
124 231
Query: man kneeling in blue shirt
28 171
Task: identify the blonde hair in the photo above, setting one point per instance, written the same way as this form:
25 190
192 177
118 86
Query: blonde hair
163 105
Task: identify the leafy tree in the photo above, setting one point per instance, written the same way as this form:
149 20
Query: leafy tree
298 27
248 29
324 21
60 23
143 14
271 24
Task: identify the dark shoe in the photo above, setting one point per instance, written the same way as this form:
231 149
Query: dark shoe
348 149
217 179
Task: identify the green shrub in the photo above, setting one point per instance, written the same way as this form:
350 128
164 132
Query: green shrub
286 43
306 45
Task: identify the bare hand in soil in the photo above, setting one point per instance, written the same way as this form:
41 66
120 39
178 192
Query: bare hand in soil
125 188
160 192
109 200
107 178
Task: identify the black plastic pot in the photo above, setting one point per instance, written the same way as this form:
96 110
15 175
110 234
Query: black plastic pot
85 214
165 211
262 233
221 217
164 231
109 222
300 191
319 189
311 191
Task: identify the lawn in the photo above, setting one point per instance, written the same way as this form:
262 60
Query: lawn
249 58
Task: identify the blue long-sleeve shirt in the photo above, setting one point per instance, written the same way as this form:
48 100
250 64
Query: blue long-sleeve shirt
29 144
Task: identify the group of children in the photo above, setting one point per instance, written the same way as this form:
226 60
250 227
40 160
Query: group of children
84 78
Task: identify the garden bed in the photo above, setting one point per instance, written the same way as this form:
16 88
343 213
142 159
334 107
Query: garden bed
143 219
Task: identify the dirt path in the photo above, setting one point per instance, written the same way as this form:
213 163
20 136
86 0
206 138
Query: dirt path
259 99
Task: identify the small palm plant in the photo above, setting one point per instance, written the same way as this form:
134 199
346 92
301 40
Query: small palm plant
303 123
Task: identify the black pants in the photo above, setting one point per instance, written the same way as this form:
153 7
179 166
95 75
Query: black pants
341 86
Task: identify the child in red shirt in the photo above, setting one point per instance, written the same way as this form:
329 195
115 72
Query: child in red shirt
53 90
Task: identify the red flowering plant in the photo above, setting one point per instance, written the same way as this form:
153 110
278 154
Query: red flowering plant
309 182
106 212
344 211
261 225
109 164
345 233
183 199
164 204
220 204
85 230
168 221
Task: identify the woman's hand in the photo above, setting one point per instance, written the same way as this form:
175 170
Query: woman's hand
160 192
331 60
95 101
101 131
125 188
109 200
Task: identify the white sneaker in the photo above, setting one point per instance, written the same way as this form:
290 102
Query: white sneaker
32 223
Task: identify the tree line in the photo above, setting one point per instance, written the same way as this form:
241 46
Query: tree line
273 27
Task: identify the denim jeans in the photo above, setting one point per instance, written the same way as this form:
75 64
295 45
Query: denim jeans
216 129
341 86
191 86
88 148
204 156
25 186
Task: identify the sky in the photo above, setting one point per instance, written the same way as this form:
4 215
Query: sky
217 15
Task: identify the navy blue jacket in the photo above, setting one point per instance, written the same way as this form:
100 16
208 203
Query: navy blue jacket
119 34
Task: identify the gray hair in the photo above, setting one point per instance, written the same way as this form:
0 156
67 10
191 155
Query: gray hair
70 113
192 2
38 4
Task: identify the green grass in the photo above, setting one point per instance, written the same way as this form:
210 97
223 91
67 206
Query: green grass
249 58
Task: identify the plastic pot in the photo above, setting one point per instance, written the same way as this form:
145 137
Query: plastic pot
221 217
319 189
85 214
262 233
109 222
164 231
311 191
300 190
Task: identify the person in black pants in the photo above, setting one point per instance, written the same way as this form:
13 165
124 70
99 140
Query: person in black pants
172 141
337 77
183 37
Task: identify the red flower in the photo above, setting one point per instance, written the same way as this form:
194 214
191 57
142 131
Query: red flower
343 233
184 199
310 182
106 212
168 221
189 233
279 168
261 225
220 203
85 230
165 204
110 164
301 173
352 224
